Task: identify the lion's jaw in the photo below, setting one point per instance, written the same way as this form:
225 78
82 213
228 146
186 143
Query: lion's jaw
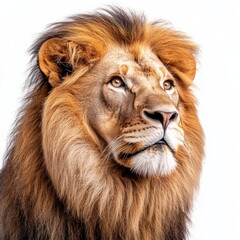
133 140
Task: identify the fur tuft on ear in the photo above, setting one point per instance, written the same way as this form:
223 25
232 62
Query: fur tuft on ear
59 57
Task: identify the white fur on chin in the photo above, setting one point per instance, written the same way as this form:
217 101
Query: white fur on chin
149 163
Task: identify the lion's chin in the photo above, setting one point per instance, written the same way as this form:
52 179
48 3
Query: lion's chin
157 160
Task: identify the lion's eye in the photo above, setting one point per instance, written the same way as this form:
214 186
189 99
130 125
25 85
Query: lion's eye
117 82
168 85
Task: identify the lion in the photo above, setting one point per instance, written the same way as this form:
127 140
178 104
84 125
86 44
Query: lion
108 144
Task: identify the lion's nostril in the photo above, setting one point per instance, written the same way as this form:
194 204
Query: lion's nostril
174 116
164 117
154 115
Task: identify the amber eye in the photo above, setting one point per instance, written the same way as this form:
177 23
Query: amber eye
117 82
168 85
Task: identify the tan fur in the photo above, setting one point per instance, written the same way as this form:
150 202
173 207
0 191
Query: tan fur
59 180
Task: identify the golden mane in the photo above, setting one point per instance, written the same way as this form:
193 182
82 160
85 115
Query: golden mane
45 198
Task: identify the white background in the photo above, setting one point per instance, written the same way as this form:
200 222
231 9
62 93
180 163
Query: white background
215 26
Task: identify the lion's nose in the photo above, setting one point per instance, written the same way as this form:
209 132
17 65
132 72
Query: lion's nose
164 117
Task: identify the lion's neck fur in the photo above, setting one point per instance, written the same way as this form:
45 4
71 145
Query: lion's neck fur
109 204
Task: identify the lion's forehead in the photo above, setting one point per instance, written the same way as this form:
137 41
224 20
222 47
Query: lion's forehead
137 65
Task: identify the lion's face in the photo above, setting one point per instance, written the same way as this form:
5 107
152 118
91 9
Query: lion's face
125 101
136 114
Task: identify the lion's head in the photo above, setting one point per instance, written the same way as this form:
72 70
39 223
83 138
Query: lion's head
129 109
111 121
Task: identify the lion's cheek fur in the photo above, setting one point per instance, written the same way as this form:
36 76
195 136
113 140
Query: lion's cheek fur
69 155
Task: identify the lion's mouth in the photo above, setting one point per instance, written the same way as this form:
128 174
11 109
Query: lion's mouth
158 144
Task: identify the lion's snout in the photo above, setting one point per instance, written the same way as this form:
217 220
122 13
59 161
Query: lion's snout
158 109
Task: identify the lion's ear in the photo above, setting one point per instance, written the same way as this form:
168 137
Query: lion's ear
176 52
183 65
59 57
188 67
